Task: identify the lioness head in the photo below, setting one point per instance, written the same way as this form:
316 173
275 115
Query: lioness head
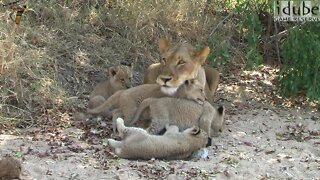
178 64
194 90
120 77
217 123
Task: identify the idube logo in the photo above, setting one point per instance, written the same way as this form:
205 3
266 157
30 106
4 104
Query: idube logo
297 10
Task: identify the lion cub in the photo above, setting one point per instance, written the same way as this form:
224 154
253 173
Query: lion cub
124 103
182 113
138 144
179 63
10 168
119 78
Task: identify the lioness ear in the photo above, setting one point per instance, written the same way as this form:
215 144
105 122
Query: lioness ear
164 45
202 55
113 71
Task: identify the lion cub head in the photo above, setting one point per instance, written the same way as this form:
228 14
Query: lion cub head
178 64
196 133
194 90
120 77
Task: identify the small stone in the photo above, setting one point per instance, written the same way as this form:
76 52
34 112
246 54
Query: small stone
269 150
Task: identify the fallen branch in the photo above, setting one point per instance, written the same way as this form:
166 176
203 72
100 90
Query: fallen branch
279 35
283 33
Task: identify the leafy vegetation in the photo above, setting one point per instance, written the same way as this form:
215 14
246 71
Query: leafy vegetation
300 61
300 71
251 28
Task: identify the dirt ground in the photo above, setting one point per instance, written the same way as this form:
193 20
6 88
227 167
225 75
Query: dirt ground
261 140
256 144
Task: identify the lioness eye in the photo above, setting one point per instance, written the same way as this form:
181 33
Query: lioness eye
163 60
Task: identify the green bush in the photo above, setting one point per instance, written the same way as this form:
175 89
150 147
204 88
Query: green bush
299 52
221 51
300 72
251 28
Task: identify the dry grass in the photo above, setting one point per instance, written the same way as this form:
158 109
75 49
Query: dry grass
61 49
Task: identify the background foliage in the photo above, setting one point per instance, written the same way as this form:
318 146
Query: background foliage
298 57
299 72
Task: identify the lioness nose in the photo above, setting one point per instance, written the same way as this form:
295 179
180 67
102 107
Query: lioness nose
166 79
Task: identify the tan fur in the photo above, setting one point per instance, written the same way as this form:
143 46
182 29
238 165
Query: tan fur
211 79
127 100
119 78
151 74
10 167
138 144
179 63
192 90
124 103
181 112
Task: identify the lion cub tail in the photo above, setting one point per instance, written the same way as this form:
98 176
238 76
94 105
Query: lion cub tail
107 106
142 107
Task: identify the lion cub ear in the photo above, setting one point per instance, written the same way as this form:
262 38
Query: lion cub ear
221 110
195 130
202 55
187 82
113 71
190 82
164 45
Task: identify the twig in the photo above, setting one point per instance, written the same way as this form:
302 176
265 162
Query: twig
9 4
277 43
15 107
219 24
284 33
19 109
280 35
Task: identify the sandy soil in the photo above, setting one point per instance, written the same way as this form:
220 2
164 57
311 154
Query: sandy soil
256 144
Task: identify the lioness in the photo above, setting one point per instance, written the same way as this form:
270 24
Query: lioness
119 78
137 143
180 63
182 113
125 102
212 78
